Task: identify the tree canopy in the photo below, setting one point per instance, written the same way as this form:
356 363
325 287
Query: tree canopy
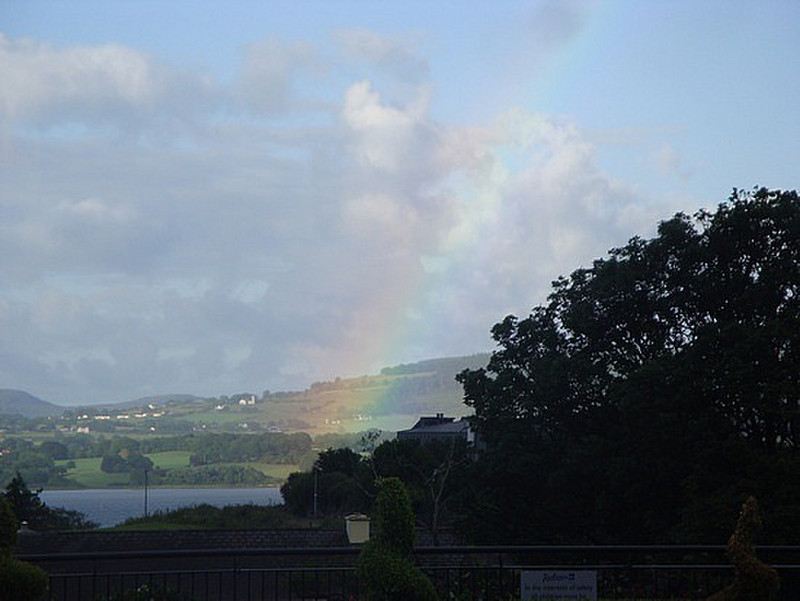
28 507
654 387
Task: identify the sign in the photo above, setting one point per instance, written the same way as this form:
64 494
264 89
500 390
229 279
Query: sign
552 585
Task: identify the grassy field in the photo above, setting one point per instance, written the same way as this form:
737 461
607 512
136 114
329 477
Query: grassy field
274 470
170 459
87 471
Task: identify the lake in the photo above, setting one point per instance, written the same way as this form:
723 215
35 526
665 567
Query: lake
112 506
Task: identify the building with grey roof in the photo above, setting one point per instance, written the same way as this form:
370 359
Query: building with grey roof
439 428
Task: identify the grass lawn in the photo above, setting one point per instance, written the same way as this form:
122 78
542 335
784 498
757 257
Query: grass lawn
275 470
170 459
87 471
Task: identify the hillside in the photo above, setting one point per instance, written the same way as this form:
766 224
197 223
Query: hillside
426 387
156 401
391 400
18 402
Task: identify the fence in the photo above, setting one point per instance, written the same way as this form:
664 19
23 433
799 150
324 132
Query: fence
459 573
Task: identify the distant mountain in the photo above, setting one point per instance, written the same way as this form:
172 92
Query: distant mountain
449 366
377 401
422 388
21 403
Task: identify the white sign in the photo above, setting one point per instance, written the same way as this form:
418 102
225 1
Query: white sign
551 585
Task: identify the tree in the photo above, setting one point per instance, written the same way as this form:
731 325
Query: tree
18 579
434 473
8 526
337 484
619 391
344 460
28 507
25 503
125 461
54 449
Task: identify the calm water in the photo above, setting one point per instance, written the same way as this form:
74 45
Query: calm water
112 506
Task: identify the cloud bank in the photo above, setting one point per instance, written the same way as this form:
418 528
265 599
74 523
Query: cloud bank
164 231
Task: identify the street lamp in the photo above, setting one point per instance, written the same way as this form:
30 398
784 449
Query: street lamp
316 494
145 494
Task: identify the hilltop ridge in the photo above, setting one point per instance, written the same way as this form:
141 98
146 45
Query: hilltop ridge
384 401
19 402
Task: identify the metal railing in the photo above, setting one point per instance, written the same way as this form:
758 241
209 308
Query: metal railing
459 573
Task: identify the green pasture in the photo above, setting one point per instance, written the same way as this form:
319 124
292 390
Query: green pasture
211 416
170 459
274 470
87 471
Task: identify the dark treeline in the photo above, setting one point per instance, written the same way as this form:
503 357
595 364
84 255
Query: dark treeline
208 517
643 403
654 392
435 474
123 454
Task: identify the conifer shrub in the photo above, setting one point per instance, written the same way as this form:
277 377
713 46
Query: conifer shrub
386 565
754 580
394 517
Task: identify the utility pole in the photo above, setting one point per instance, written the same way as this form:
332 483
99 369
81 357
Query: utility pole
145 494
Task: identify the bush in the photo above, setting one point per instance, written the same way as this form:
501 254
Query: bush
385 564
394 518
20 580
388 576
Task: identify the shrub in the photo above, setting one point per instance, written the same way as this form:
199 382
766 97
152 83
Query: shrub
385 564
388 576
394 518
754 581
20 580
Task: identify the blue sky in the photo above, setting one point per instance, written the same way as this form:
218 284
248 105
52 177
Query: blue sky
219 197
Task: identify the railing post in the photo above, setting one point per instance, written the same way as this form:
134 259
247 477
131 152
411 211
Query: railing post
235 578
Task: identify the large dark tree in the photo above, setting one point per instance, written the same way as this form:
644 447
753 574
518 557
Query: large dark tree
653 389
337 485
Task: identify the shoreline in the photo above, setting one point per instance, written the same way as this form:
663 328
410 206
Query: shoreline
166 487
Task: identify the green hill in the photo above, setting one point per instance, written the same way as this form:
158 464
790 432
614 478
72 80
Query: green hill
391 400
17 402
422 388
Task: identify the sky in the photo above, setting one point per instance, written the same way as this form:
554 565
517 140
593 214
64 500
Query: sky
222 197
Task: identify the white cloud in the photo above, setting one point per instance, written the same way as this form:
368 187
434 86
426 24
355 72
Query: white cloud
37 77
378 215
555 22
270 74
396 56
671 162
97 211
385 135
268 251
94 85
